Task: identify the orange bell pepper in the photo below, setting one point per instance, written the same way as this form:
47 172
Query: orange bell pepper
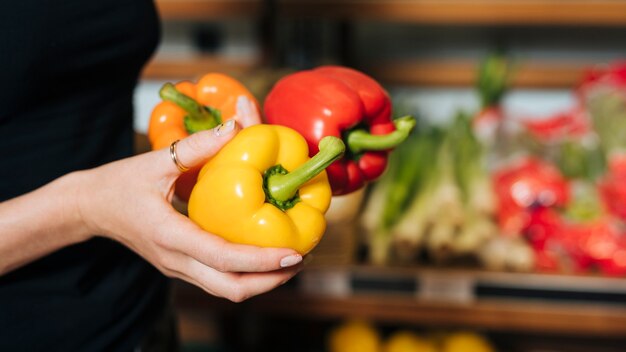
191 107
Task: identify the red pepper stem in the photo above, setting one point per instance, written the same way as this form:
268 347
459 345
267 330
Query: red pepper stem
284 187
361 140
198 117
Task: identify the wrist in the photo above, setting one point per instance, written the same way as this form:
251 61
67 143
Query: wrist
74 206
40 222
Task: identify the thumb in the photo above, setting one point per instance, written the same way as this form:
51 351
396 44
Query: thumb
200 146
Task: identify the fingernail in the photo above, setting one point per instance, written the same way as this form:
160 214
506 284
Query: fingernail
225 128
290 260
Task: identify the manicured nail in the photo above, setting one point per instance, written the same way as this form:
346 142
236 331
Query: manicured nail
225 128
290 260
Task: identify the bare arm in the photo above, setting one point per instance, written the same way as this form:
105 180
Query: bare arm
39 223
129 201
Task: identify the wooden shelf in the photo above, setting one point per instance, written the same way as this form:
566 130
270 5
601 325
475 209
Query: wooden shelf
208 9
421 73
192 67
506 314
497 316
442 12
468 12
463 73
494 316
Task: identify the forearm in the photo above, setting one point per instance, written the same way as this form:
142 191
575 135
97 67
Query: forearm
39 223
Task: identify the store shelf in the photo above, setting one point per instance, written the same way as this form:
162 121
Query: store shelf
582 305
192 67
463 286
471 12
463 73
208 9
424 73
479 12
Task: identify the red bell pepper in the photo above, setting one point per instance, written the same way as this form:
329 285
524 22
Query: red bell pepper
524 186
345 103
612 187
601 79
570 124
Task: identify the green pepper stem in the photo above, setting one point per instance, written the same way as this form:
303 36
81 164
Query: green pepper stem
284 187
198 117
361 140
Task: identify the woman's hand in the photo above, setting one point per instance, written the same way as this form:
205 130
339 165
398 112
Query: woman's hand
129 201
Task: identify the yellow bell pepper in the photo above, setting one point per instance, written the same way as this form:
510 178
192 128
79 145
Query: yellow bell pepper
262 189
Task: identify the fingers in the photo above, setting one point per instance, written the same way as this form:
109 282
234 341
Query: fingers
214 251
200 146
238 287
247 112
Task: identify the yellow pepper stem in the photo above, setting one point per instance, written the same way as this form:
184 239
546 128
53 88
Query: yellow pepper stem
281 186
198 117
361 140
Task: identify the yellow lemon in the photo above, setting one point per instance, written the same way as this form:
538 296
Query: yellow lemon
466 342
354 336
407 341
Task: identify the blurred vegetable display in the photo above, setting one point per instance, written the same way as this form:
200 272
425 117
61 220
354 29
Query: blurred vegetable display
492 84
574 224
548 194
364 336
436 197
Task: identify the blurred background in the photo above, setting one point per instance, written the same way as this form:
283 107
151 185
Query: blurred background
499 225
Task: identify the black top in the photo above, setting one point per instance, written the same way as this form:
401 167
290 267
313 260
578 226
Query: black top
67 74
